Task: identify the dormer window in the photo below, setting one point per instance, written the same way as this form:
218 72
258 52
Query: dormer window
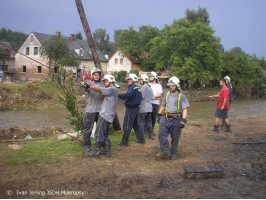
81 52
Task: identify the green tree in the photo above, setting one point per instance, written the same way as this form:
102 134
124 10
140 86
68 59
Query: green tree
78 35
201 15
190 49
137 44
15 39
58 54
4 56
101 39
242 70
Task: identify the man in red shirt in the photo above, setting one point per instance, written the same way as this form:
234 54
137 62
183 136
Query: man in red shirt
222 106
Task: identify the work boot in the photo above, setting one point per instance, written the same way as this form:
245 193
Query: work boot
216 128
95 152
123 144
140 138
107 149
228 128
165 155
150 134
86 148
173 156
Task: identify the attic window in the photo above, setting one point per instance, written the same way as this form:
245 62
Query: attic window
31 38
116 60
121 61
81 52
27 50
35 50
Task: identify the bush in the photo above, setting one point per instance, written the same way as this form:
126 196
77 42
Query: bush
120 76
135 71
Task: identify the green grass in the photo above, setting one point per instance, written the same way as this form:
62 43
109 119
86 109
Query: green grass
50 149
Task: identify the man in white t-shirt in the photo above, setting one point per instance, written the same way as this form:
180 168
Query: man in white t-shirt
157 91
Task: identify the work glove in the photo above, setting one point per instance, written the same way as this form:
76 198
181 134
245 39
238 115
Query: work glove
159 117
85 85
182 123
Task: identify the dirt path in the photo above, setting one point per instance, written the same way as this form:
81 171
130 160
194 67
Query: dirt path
136 171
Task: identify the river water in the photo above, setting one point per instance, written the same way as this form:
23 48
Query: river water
197 110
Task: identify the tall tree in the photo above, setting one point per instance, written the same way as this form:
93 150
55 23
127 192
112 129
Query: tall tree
201 15
15 39
101 39
78 35
4 56
137 44
58 53
242 70
190 49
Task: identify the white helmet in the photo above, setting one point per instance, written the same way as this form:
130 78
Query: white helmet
174 81
144 77
153 74
110 78
227 78
94 71
133 77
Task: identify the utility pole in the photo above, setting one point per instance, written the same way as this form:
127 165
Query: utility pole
91 44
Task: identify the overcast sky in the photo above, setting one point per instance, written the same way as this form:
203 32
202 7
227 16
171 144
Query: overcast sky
239 23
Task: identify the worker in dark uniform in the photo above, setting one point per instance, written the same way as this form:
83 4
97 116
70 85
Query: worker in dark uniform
132 99
175 105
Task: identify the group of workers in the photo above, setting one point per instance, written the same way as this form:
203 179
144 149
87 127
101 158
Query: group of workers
142 111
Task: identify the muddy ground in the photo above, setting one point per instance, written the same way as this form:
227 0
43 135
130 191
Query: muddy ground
137 172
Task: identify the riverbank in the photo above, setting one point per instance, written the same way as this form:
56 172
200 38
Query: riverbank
137 172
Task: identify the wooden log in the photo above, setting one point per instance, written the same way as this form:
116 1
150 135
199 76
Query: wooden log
196 172
92 46
251 142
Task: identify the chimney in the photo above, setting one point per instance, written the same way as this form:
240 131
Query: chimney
58 33
72 36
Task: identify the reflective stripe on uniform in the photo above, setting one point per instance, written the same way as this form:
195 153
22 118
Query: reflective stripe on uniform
178 104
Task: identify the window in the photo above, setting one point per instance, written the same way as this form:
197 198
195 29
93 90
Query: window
121 61
27 50
116 60
35 50
81 52
24 69
39 69
31 38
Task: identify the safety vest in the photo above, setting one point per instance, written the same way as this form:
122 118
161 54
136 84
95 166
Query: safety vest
178 104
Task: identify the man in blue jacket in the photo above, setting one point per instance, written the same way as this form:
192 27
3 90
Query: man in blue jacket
132 99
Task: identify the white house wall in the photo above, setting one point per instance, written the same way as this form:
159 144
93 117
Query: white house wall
125 66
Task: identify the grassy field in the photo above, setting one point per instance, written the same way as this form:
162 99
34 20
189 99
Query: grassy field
50 149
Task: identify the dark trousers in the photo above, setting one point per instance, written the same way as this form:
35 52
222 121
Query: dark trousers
130 121
145 122
155 108
88 123
166 127
102 131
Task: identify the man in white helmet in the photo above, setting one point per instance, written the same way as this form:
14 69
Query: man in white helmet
175 105
132 99
145 106
106 116
157 92
94 103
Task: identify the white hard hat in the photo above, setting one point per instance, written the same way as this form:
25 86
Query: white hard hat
133 77
110 78
144 77
227 78
153 74
94 71
174 81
